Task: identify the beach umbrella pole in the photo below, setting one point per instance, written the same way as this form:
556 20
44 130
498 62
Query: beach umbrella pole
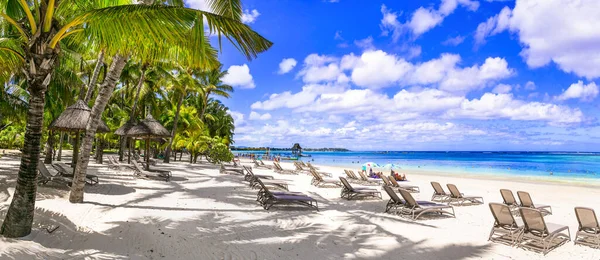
147 154
75 151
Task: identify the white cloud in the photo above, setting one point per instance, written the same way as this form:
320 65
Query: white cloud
504 106
366 43
454 41
286 65
257 116
238 118
422 20
239 76
530 85
338 36
585 93
249 16
494 25
559 31
197 4
377 69
288 100
502 89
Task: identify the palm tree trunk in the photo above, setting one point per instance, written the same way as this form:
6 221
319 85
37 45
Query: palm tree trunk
106 90
19 217
60 145
49 148
94 78
122 146
174 130
137 94
204 107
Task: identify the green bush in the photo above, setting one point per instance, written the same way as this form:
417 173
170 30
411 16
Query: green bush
219 153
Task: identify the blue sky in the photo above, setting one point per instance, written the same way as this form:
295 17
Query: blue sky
419 75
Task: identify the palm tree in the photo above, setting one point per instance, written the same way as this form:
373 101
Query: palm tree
32 44
212 84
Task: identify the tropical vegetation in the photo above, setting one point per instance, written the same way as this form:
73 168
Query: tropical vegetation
124 58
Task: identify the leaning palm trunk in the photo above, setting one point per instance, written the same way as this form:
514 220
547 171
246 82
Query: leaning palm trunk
40 65
49 148
106 90
94 79
174 131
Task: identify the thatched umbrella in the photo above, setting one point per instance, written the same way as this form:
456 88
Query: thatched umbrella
74 119
147 129
122 131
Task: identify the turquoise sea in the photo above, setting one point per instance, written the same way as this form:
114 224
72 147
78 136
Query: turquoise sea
561 165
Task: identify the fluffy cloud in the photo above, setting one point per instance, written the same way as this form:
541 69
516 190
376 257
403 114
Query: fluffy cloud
239 76
504 106
256 116
559 31
454 41
288 100
286 65
422 20
249 16
585 93
502 89
197 4
238 118
530 85
376 69
366 43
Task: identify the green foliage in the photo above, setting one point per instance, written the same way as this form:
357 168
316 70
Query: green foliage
12 136
219 152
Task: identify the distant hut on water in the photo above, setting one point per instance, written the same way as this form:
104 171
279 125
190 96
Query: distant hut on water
297 150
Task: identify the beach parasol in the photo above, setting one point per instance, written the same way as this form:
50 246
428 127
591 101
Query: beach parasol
391 166
122 131
147 129
75 119
370 165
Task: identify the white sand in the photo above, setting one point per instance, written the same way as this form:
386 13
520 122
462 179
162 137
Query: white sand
202 214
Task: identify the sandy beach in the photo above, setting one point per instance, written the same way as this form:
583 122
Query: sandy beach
202 214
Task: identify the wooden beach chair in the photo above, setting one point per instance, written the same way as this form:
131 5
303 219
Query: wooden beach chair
456 196
319 181
527 202
225 170
588 232
268 198
67 171
541 235
151 173
279 169
394 203
415 209
349 192
409 188
118 165
505 224
352 177
312 168
438 193
509 199
367 180
252 179
45 176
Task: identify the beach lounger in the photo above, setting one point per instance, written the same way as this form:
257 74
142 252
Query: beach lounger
351 177
541 235
588 232
395 202
319 181
151 173
250 175
268 198
226 170
312 168
409 188
505 224
253 178
417 208
281 170
527 202
120 165
349 192
299 167
369 181
111 164
509 199
456 196
67 171
45 176
438 193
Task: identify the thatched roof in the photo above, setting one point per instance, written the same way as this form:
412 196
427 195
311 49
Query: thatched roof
75 118
122 131
148 128
296 147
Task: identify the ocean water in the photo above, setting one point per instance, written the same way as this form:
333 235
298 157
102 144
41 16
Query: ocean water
558 165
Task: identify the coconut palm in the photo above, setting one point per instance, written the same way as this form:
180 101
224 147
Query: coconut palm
212 85
33 32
